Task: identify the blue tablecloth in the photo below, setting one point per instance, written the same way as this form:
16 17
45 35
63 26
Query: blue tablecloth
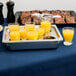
56 62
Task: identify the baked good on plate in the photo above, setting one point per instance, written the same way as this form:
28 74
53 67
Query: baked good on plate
59 20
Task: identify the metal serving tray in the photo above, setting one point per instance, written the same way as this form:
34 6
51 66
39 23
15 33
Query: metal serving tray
33 44
18 14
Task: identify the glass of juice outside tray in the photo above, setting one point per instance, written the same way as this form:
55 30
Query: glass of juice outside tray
68 33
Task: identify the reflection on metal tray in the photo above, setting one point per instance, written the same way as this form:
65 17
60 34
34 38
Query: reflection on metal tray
34 44
18 14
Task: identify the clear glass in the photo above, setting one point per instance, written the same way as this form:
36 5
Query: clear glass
13 27
32 35
46 25
68 33
30 27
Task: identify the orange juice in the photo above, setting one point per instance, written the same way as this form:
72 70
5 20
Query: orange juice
22 33
14 35
68 35
29 27
46 25
25 27
32 35
47 30
40 32
13 27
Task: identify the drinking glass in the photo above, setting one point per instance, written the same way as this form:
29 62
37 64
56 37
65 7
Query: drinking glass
68 33
29 27
13 27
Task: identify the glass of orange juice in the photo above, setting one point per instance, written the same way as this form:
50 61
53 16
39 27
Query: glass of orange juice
22 33
46 25
68 33
13 27
29 27
32 35
14 35
40 32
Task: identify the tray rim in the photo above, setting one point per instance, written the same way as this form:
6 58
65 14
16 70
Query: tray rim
25 41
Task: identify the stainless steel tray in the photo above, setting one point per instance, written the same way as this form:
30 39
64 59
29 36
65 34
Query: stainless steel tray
33 44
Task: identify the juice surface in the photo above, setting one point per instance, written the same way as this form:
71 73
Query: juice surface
45 23
68 35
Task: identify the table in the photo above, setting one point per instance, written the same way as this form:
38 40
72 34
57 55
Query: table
49 62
